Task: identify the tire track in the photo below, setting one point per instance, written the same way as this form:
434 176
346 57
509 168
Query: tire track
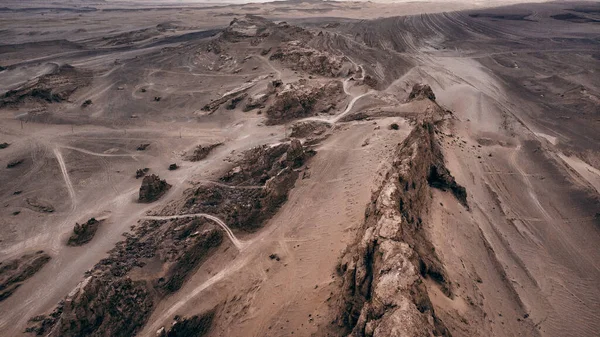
236 242
68 183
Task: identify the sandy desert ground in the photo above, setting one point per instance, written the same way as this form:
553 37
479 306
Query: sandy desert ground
300 168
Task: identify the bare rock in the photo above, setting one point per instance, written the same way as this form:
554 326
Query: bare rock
299 100
421 91
14 272
152 188
83 233
141 172
201 152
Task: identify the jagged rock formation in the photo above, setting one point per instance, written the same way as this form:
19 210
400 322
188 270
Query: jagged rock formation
83 233
383 289
152 188
298 56
256 188
421 91
112 302
196 326
299 100
14 272
201 152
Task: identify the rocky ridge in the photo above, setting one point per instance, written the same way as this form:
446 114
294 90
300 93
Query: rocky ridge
383 292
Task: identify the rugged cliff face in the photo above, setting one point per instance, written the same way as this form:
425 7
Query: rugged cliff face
384 293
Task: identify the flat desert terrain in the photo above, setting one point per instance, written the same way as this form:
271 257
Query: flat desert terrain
306 168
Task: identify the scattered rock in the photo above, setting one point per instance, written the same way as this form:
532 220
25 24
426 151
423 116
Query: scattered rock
84 233
383 289
110 302
55 87
303 129
152 188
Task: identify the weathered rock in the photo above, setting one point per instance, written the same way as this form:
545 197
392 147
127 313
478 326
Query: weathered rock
298 101
55 87
383 289
295 154
421 91
299 56
14 272
83 233
39 205
111 302
201 152
152 188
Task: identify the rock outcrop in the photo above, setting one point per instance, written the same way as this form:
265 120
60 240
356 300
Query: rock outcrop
299 56
83 233
152 188
300 100
115 301
201 152
254 189
55 87
421 91
14 272
384 293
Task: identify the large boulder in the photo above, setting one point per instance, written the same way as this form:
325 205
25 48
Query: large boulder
152 188
83 233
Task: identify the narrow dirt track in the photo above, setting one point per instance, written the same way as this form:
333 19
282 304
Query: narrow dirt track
237 243
65 173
